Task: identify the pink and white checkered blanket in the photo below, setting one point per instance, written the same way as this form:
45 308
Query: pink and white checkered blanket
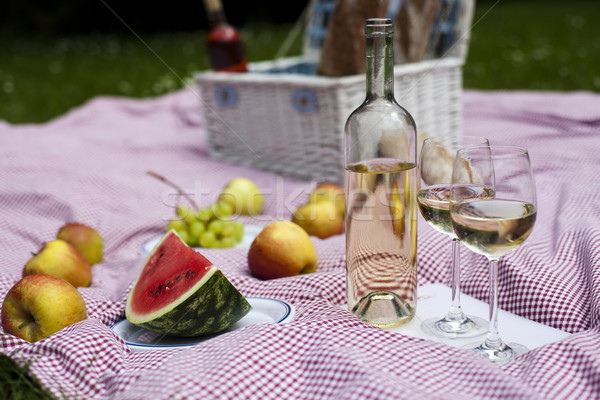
90 166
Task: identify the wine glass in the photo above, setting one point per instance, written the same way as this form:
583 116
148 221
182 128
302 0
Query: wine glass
494 226
433 197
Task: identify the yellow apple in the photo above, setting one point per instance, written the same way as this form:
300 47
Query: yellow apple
39 305
61 259
85 239
330 191
282 249
320 218
243 196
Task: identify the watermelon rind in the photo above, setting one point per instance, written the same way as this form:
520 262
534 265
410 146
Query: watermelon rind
212 305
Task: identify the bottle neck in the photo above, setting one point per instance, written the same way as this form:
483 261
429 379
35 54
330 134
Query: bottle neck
380 61
214 12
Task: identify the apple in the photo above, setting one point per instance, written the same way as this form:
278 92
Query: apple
39 305
85 239
282 249
60 259
330 191
243 196
320 218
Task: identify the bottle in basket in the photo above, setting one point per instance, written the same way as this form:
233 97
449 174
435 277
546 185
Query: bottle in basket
224 43
380 184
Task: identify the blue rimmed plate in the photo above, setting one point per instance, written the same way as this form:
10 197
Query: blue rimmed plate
264 310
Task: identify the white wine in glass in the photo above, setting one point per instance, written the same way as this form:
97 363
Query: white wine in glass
496 226
436 162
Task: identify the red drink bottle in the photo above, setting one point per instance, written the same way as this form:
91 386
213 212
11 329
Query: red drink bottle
224 42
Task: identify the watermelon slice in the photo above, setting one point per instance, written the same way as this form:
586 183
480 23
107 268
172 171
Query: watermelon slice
180 293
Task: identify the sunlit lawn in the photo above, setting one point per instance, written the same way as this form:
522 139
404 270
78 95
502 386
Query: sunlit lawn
550 45
541 45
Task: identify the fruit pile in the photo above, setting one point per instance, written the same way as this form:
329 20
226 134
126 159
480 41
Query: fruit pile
46 299
209 227
284 248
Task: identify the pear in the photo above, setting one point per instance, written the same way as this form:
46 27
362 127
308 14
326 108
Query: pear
320 218
59 258
85 239
282 249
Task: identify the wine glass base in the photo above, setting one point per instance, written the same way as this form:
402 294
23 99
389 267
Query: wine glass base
507 352
447 329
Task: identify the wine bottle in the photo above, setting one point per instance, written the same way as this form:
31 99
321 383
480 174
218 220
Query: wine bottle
380 184
224 43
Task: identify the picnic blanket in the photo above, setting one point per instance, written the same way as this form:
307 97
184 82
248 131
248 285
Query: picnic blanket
90 165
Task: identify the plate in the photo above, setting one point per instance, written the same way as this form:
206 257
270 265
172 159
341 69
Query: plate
250 232
434 300
264 310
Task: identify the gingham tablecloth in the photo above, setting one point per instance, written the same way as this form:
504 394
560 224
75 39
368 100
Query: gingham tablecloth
90 166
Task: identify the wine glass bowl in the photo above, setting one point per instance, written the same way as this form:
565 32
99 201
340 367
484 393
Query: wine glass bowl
436 162
493 226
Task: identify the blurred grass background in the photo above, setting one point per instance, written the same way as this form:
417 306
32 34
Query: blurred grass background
529 44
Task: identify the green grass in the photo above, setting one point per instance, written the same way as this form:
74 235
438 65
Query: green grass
537 45
45 77
17 384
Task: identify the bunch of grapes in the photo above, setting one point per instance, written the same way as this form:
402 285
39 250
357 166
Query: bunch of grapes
209 227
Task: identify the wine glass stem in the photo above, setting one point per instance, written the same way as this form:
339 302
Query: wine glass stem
455 313
493 340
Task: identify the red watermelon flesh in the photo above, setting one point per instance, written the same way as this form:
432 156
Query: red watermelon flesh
180 293
171 269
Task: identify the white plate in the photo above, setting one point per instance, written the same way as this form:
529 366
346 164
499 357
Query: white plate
250 232
434 300
264 310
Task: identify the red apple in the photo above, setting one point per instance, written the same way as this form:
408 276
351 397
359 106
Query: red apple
281 249
60 259
39 305
85 239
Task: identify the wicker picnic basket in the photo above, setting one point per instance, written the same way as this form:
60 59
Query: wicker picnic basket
282 117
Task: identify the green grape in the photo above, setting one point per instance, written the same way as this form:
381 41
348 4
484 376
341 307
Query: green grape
227 241
183 210
228 229
176 225
192 240
204 214
190 218
197 228
239 231
223 209
216 226
185 236
208 239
